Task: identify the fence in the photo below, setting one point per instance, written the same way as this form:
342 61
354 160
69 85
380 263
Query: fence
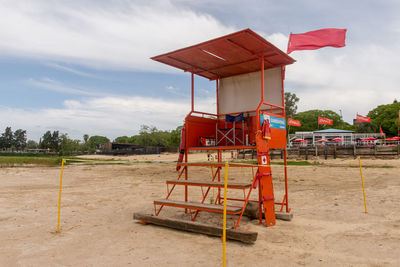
329 152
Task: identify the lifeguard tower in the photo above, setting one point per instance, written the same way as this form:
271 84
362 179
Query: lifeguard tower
249 76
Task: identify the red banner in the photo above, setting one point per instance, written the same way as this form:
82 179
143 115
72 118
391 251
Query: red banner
317 39
293 122
325 121
363 119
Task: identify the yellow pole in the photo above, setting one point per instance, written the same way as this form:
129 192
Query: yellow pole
213 173
59 196
362 183
224 227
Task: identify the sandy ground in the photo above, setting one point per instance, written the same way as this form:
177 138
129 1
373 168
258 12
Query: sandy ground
329 226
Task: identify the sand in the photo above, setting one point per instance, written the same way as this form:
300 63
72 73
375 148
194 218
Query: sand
329 226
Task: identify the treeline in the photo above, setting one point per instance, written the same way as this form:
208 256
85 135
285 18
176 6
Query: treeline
151 136
61 143
385 116
51 141
13 140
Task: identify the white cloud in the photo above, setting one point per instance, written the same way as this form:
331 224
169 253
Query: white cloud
71 70
114 34
109 116
56 86
125 34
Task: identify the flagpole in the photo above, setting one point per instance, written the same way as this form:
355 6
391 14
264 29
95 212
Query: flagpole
355 124
288 43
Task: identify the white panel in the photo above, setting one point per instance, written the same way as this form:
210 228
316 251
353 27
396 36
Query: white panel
243 92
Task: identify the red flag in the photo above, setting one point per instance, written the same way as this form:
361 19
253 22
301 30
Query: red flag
380 130
293 122
363 119
325 121
317 39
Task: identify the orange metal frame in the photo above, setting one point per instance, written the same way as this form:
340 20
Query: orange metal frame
197 124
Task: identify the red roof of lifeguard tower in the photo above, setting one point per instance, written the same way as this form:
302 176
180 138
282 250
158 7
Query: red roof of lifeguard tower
226 56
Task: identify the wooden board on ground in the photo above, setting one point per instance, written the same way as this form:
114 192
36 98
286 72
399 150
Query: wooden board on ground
233 234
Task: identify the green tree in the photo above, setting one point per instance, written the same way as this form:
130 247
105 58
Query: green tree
122 139
386 116
31 144
7 138
291 101
19 139
96 141
366 127
68 146
309 120
85 138
50 140
175 136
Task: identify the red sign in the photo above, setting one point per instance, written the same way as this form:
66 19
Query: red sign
293 122
325 121
363 119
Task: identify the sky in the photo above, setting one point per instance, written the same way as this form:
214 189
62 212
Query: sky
84 67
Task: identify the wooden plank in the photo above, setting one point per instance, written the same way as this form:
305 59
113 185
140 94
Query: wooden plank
197 206
210 184
248 237
214 164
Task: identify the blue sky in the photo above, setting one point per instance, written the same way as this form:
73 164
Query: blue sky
83 67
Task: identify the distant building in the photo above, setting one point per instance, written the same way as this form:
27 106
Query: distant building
312 138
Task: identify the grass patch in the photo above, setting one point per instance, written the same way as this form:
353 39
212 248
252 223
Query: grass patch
27 155
12 161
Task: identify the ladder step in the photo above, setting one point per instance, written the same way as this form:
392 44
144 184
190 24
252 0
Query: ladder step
197 206
214 164
210 184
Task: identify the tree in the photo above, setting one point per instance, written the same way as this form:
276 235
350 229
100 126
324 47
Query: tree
367 127
309 120
19 139
50 141
122 139
96 141
68 146
31 144
85 138
386 116
175 137
290 104
7 138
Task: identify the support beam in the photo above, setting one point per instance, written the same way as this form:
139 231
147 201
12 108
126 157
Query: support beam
195 227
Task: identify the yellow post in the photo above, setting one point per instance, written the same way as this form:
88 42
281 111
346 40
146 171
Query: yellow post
362 183
213 173
59 196
224 227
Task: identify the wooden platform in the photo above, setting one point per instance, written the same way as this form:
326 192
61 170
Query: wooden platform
197 206
209 184
248 237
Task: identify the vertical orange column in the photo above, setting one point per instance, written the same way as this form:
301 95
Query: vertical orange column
286 198
264 170
192 77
